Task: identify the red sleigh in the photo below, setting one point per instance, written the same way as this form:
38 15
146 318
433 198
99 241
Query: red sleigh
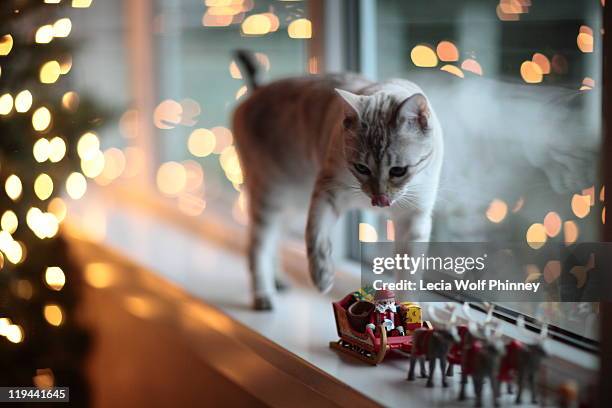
360 341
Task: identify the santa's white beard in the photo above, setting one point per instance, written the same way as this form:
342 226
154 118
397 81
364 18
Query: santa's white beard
383 308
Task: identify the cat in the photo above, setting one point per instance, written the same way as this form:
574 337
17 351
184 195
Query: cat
337 142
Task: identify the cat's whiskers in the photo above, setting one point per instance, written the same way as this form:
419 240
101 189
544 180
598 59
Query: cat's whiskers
406 202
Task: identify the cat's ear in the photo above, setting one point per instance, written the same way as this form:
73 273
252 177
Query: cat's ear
352 105
415 108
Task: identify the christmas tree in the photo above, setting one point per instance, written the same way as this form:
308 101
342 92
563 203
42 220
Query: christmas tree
46 130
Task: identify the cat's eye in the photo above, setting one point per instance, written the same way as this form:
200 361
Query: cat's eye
398 171
362 169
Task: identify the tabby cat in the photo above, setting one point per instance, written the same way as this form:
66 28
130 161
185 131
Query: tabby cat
338 142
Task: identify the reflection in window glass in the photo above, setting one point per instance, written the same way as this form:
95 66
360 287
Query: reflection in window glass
516 86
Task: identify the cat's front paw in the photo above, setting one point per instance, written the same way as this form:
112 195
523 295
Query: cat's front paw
262 303
320 265
321 272
325 281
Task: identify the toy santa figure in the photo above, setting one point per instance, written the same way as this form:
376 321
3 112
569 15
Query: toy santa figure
384 314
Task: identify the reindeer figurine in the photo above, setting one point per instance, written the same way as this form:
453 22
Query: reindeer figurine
522 362
466 337
481 359
433 344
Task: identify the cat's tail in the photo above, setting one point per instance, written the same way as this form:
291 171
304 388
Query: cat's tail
249 68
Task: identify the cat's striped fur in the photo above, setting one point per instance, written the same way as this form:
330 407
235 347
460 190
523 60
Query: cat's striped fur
308 139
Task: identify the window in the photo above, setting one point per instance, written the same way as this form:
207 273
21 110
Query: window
515 85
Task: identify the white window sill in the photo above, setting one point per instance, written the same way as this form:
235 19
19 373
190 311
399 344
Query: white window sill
203 259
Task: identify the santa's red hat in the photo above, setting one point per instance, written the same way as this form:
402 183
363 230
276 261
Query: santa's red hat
384 294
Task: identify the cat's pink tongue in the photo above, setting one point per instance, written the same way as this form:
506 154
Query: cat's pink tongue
380 200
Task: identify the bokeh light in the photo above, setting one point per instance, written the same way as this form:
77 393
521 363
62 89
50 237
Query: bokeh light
53 314
231 165
55 278
81 3
14 333
590 192
43 186
518 206
93 166
190 112
263 60
57 149
42 224
497 211
390 230
588 83
12 250
23 101
451 69
44 378
223 138
70 101
167 114
552 224
447 51
201 142
241 92
581 205
65 64
171 178
6 104
41 150
62 27
41 119
13 187
9 221
531 72
504 16
367 233
256 24
100 275
585 39
423 56
300 28
76 185
50 72
88 146
536 236
274 22
471 65
570 232
6 44
211 20
542 61
114 166
234 70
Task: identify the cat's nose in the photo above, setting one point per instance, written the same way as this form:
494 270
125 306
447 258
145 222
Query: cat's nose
380 200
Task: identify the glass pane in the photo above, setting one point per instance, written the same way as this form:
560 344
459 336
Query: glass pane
516 85
200 84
